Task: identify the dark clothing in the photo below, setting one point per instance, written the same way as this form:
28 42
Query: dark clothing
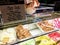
57 6
17 2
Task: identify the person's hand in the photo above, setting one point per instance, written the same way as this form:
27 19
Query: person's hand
28 1
36 3
31 6
32 3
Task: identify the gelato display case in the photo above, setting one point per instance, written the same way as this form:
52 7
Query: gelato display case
19 28
30 32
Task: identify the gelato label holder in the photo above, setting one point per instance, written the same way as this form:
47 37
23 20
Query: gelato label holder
1 22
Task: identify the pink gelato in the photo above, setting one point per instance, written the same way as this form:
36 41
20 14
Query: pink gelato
56 22
54 36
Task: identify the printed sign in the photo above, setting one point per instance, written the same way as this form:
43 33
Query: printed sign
12 12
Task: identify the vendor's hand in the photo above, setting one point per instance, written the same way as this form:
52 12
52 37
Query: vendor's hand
30 7
36 3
